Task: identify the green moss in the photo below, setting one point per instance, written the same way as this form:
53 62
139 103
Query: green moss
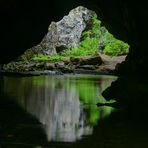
55 57
86 47
97 39
94 30
40 57
94 39
116 47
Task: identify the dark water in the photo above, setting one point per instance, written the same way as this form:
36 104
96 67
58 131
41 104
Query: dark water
61 111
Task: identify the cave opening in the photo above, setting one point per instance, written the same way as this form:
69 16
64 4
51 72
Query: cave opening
78 41
122 25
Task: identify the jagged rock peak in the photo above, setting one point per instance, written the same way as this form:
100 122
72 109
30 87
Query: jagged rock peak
66 33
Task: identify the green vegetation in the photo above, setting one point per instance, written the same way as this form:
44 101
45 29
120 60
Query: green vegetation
116 47
86 47
98 39
94 39
56 57
40 57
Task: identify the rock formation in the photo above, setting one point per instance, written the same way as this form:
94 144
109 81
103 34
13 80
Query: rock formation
65 33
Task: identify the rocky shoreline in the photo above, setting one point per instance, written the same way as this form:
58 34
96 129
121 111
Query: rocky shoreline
76 44
48 72
89 65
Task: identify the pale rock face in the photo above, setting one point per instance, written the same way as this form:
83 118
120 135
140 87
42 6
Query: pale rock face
65 33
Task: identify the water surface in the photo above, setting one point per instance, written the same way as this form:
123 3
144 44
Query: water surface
64 105
61 111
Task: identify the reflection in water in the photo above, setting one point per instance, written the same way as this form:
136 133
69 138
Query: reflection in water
65 105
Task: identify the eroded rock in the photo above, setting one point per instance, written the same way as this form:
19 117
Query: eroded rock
88 60
50 66
60 65
91 60
65 33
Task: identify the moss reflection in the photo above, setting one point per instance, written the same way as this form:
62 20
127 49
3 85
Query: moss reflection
65 105
88 88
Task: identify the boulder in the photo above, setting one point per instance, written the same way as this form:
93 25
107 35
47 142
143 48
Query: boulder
50 66
89 60
75 60
59 65
65 33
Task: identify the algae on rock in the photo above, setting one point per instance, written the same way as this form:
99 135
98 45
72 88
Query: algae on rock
79 34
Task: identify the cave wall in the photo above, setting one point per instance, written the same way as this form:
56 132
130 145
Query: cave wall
23 25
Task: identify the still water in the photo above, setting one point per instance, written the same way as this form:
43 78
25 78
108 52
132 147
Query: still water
42 111
64 105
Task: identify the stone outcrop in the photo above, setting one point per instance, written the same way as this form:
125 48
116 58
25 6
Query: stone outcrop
96 63
61 35
69 64
65 33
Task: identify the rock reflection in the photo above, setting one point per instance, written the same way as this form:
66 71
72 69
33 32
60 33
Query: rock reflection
58 103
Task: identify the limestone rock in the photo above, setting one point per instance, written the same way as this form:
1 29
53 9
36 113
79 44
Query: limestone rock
65 33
